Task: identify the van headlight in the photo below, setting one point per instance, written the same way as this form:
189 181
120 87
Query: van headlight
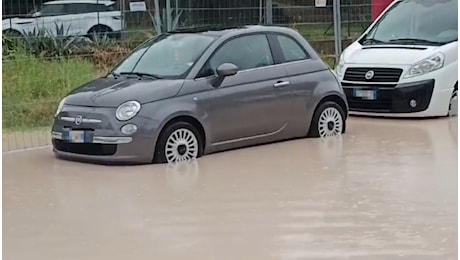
60 106
339 69
427 65
127 110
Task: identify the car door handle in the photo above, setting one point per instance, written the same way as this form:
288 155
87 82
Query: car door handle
281 84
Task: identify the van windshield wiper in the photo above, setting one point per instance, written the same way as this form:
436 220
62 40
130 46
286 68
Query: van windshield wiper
372 40
141 74
415 41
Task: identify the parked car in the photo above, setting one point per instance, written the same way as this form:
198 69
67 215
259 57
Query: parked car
185 94
405 64
76 17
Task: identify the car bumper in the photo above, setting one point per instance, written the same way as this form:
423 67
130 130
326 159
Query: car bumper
105 142
402 98
431 92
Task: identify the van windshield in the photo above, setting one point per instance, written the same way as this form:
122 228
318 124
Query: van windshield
416 22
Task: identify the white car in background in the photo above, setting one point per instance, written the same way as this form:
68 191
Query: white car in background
406 63
77 17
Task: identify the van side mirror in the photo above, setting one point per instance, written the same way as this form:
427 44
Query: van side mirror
223 71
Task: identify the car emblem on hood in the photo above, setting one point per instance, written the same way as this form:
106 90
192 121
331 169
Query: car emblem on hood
369 75
78 119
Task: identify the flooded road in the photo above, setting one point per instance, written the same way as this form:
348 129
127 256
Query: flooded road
385 190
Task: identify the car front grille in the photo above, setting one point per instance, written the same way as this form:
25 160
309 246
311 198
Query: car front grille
380 74
84 148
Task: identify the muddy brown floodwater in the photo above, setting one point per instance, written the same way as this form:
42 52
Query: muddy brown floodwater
385 190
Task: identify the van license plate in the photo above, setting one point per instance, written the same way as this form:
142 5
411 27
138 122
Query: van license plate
365 94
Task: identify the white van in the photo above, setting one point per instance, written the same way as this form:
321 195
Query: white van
405 63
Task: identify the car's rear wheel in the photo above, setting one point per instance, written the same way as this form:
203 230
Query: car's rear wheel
13 34
179 142
100 32
328 120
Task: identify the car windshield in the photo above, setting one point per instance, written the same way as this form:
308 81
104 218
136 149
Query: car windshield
416 22
169 56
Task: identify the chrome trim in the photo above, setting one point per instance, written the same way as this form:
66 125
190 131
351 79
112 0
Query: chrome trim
251 137
56 135
111 140
84 120
100 139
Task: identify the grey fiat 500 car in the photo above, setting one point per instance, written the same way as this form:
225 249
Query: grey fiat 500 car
184 94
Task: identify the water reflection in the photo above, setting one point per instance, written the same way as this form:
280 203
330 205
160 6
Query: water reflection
384 189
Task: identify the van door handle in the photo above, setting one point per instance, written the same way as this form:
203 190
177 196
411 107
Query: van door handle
281 84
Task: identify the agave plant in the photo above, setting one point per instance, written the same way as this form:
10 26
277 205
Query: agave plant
50 43
161 23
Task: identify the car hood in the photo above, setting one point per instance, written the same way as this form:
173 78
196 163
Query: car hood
387 54
110 92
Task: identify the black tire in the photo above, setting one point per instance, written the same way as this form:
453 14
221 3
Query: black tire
160 155
314 130
12 33
100 31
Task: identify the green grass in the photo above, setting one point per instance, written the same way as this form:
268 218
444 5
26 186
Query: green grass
32 88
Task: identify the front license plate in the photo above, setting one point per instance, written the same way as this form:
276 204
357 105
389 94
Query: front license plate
80 136
365 94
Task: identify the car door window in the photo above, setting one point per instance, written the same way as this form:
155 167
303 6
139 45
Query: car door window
246 52
292 51
77 8
52 10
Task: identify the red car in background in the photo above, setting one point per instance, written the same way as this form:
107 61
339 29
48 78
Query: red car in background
378 6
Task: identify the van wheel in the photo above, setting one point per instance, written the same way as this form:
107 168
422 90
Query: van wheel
328 120
178 142
453 104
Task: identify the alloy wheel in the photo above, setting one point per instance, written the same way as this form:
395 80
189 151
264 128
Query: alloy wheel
181 145
330 122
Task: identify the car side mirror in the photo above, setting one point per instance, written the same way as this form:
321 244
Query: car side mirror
223 71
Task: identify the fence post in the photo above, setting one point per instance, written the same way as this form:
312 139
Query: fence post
261 7
168 15
123 19
269 12
157 17
337 29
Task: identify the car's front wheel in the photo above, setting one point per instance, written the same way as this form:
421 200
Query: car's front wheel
179 142
328 120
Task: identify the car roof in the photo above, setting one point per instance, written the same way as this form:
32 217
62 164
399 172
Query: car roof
104 2
219 31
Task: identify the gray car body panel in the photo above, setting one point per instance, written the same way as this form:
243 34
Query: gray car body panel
246 109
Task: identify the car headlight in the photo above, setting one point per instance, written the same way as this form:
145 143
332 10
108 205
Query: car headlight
60 106
339 69
429 64
128 110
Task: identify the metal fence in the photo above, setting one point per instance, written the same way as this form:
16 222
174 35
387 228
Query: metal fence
34 84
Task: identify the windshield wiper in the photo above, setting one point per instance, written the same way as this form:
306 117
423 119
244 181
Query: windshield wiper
141 74
372 40
414 41
115 75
